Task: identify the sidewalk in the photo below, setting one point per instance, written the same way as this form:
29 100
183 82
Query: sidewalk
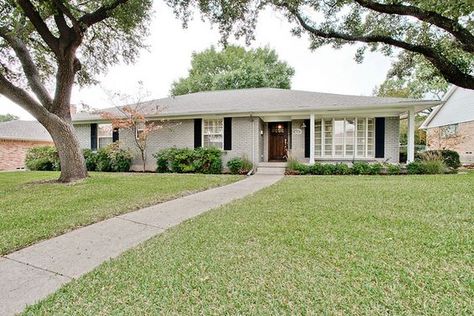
31 274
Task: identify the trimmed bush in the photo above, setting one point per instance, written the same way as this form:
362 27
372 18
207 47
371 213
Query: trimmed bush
185 160
91 159
42 158
375 168
113 159
342 169
239 165
426 167
393 169
361 167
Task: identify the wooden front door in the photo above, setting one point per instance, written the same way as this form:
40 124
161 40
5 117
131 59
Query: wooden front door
278 141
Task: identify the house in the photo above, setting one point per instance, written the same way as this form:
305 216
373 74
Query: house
16 137
451 124
268 125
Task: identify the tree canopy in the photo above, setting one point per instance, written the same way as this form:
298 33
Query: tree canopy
234 67
412 77
48 45
8 117
442 32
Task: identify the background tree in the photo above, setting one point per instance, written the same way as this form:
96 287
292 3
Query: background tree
442 32
411 76
234 68
8 117
48 45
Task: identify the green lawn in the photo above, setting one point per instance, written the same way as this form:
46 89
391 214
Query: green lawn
308 245
31 210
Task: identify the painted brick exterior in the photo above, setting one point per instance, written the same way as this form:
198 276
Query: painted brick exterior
463 142
392 139
13 153
249 138
83 132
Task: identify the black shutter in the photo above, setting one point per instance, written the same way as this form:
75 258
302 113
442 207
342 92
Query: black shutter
290 135
306 138
115 135
379 137
228 133
197 133
94 136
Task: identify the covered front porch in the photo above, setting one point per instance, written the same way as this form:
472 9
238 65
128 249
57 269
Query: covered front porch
336 137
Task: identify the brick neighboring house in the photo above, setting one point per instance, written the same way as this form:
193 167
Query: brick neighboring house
16 137
267 125
451 124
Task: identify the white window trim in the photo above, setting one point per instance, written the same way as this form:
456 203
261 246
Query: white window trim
355 138
102 137
202 130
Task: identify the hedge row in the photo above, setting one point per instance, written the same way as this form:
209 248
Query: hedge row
108 159
185 160
364 168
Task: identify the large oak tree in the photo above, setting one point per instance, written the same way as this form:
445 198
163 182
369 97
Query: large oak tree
234 67
442 32
46 46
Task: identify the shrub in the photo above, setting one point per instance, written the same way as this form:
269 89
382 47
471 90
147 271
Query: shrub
239 165
375 168
415 167
113 158
207 160
317 169
91 159
393 169
342 169
434 167
42 158
328 169
450 157
185 160
360 167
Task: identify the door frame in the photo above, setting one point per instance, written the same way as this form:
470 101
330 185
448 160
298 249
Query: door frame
286 125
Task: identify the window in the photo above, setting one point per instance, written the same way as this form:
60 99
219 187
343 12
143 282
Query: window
345 137
213 133
449 131
104 135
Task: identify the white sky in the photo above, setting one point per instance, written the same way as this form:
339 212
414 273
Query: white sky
171 46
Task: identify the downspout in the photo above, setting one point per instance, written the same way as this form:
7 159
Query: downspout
253 140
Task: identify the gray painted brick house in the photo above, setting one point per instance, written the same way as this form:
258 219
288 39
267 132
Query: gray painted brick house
268 125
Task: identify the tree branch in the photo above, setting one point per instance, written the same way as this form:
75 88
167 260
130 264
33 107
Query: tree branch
100 14
22 98
40 25
64 10
31 72
449 70
462 34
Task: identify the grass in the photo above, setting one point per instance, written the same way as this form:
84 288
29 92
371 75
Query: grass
308 245
31 209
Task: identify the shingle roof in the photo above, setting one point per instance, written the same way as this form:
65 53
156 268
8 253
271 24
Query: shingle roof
256 101
24 130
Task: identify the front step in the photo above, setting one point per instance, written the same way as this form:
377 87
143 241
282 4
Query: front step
271 168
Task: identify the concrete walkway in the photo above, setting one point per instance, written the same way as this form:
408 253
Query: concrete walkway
31 274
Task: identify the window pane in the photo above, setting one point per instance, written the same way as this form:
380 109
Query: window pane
104 141
327 137
338 137
370 137
361 135
213 133
104 130
349 134
317 138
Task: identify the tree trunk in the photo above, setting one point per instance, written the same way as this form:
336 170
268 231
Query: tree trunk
73 166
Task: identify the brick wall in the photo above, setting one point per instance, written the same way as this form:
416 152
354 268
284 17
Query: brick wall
13 153
463 143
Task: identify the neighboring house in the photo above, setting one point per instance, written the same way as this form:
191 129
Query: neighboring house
451 124
16 137
268 125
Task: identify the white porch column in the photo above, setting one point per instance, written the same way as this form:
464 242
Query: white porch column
311 138
411 136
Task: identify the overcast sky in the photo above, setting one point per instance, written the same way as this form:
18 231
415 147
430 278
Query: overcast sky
171 46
